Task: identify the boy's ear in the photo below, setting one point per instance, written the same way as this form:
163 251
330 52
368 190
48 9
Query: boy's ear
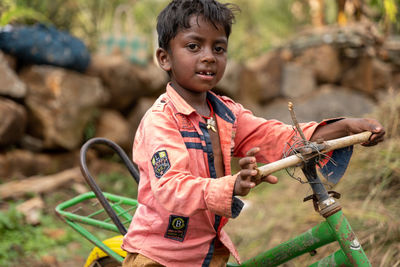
163 59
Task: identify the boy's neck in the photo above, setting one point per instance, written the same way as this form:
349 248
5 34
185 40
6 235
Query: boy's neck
198 101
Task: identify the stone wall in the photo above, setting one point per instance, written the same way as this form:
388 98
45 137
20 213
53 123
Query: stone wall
46 113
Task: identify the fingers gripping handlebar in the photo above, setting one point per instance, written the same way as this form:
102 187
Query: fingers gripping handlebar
326 146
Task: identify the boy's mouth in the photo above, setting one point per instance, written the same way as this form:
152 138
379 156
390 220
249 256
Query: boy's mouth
206 73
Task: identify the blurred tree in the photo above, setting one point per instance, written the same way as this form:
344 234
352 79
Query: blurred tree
11 12
391 15
260 26
317 12
349 9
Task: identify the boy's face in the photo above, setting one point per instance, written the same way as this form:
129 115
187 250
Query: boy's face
197 56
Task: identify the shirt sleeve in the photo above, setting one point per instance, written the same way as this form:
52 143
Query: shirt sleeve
271 136
336 162
163 161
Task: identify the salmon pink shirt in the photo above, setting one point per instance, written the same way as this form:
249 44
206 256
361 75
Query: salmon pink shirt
183 206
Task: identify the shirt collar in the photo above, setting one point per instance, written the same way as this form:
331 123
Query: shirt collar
180 104
183 107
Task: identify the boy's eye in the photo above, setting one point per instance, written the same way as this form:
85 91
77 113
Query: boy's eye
192 46
220 49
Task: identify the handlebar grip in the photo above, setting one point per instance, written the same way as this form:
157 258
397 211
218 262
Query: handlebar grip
330 145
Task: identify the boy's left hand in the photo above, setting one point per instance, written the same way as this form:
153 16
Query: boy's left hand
248 166
355 126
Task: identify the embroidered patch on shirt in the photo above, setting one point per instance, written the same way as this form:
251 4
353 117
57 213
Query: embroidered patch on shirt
160 163
177 228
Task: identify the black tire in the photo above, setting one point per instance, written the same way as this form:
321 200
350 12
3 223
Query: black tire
106 262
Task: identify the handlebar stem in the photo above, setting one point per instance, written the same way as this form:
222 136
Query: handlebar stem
310 171
327 204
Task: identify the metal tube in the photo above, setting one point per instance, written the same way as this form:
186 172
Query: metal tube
314 238
318 188
336 259
93 185
95 240
347 239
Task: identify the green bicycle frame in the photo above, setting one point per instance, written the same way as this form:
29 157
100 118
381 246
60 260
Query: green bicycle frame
335 228
77 221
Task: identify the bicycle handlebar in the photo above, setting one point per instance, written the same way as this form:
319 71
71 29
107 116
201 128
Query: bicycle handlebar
327 146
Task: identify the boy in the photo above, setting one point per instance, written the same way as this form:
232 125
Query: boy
184 144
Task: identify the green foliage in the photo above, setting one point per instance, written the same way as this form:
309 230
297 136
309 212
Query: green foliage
90 130
390 9
118 183
386 14
386 7
10 220
20 240
11 12
21 13
260 26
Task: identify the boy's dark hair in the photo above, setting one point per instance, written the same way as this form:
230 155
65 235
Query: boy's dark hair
176 15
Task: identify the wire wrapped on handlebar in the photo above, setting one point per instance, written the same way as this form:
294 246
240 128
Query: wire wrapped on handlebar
297 147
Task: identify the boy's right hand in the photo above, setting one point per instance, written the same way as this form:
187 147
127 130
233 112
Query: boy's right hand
248 166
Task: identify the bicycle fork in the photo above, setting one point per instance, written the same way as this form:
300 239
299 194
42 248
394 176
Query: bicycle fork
351 252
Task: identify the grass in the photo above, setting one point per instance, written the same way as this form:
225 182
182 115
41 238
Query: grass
25 245
52 242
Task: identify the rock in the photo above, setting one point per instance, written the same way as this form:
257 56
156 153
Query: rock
329 101
10 84
11 61
19 163
396 81
229 84
356 35
264 79
153 80
368 75
113 126
333 101
297 80
13 121
323 61
32 210
382 74
277 110
391 50
250 88
31 143
61 102
116 74
137 113
127 82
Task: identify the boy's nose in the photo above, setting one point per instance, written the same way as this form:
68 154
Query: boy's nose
208 56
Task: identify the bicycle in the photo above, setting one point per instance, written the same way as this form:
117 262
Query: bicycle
335 228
